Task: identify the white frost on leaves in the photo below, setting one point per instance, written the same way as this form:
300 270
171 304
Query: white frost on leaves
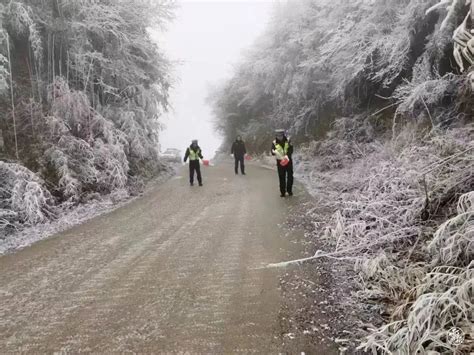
379 195
66 219
23 197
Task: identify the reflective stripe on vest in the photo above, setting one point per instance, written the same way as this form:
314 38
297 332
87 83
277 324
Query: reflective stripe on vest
194 155
281 150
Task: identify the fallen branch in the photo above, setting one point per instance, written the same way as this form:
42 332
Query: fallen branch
428 111
383 109
317 255
442 162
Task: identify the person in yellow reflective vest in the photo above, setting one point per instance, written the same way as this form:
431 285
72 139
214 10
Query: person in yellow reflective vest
282 149
194 154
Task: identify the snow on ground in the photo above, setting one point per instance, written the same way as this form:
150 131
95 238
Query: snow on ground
25 237
68 218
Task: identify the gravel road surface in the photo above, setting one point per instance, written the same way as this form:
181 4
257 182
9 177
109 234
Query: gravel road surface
177 270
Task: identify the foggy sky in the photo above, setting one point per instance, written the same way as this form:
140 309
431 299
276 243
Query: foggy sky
208 37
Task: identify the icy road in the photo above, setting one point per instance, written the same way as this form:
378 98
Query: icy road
176 270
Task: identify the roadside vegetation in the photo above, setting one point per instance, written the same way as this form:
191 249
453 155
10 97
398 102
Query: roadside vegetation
82 87
382 115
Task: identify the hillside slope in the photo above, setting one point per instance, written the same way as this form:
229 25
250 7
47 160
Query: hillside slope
82 87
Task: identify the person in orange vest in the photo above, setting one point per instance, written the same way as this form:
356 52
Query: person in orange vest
194 154
282 149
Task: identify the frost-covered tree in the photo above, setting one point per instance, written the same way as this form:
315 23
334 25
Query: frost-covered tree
320 59
82 87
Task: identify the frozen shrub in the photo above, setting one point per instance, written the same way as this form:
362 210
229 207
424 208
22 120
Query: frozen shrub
388 222
88 153
435 99
112 166
453 242
66 178
444 301
72 107
24 198
7 218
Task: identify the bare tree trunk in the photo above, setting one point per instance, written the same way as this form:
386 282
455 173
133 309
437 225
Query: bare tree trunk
38 81
30 72
56 9
88 74
31 75
49 58
61 57
12 98
67 68
52 57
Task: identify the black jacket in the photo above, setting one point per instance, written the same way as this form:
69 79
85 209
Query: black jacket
195 149
282 143
238 149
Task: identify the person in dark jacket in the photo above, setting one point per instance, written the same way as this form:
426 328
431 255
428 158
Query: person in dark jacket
282 149
239 151
194 154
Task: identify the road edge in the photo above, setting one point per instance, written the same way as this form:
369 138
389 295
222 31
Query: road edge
77 215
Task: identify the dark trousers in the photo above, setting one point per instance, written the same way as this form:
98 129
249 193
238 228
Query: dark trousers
194 167
242 165
285 174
